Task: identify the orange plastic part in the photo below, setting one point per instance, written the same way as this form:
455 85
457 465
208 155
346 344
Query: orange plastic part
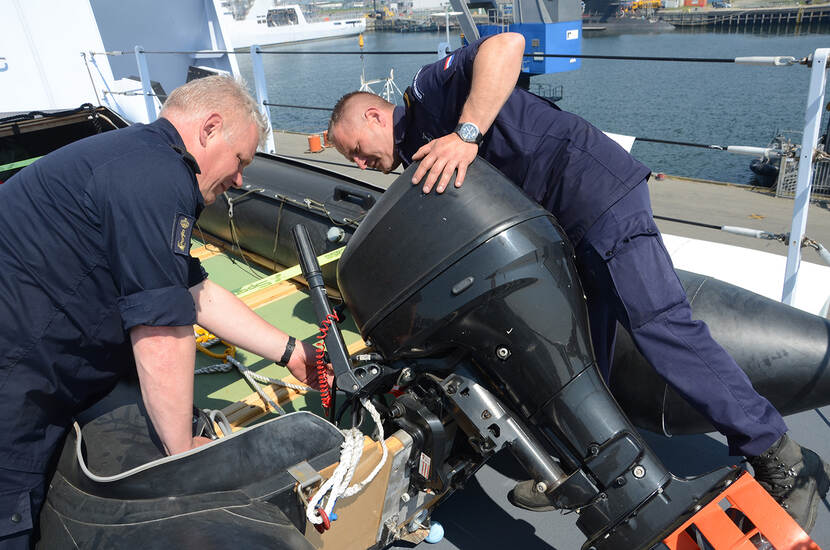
745 495
314 143
326 141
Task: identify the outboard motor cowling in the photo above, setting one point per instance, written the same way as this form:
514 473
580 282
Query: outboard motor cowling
485 272
468 269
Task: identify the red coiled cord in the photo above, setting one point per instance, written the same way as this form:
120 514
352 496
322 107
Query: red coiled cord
322 370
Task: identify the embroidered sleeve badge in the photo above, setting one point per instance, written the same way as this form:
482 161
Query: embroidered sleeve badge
182 228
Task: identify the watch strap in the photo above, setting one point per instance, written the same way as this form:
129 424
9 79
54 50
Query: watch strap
289 350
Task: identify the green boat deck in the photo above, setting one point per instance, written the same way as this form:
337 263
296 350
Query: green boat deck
284 304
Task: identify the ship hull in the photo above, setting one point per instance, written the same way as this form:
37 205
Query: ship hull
602 26
244 35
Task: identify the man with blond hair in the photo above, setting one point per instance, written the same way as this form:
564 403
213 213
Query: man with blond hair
95 271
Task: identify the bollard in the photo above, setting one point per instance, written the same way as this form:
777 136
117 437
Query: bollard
326 142
314 143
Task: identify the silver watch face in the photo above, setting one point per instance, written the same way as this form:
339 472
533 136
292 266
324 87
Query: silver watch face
468 132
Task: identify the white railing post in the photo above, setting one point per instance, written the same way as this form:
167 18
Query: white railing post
262 96
144 74
812 121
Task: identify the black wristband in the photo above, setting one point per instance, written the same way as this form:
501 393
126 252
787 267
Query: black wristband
289 349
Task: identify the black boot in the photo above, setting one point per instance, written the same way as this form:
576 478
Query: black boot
795 477
526 494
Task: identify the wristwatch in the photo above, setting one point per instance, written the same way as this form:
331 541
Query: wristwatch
469 132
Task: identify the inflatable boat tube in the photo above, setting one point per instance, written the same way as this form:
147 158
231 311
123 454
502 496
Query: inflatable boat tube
785 352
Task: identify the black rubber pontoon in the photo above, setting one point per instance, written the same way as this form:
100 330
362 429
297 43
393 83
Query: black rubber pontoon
785 352
279 193
120 491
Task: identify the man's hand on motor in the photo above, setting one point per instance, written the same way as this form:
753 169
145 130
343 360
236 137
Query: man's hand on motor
441 158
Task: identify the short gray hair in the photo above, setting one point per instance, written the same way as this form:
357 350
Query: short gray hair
342 105
217 93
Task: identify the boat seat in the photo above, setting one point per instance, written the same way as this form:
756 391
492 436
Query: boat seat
112 480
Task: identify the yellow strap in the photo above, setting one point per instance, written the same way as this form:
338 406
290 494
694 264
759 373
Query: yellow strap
285 274
18 164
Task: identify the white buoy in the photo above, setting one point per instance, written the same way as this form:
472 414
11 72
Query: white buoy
436 533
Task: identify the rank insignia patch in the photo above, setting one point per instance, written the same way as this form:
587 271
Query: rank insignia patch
182 229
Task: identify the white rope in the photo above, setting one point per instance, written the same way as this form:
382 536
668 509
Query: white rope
247 374
277 382
212 369
265 379
351 451
251 377
354 489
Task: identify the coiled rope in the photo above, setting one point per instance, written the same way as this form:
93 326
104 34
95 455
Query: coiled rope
338 484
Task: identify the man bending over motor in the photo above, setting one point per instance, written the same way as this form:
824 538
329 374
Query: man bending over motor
467 105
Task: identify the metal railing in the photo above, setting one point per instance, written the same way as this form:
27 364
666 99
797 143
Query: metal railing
785 185
801 197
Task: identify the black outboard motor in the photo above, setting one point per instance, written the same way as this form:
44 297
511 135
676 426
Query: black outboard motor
477 288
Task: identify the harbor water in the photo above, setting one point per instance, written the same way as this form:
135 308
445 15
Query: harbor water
708 103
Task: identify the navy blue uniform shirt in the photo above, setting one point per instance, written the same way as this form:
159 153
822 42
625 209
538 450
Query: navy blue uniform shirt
94 240
560 160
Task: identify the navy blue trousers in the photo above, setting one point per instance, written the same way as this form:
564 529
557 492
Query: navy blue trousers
628 276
